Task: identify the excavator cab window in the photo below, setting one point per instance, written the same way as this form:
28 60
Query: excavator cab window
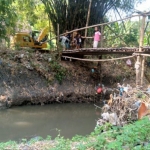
26 39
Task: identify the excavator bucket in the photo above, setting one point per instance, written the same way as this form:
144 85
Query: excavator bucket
142 111
43 33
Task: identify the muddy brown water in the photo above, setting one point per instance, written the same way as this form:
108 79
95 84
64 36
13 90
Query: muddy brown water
32 121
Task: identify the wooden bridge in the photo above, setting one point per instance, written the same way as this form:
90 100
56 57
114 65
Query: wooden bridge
139 52
102 51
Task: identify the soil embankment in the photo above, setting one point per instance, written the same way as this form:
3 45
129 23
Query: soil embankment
28 77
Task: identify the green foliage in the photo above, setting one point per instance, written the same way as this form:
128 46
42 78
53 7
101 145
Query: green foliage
7 18
23 140
132 135
34 9
60 72
35 139
37 18
131 37
77 138
62 144
48 137
140 95
71 14
10 144
122 34
147 34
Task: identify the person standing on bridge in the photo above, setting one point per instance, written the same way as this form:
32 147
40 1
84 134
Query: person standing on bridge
63 39
67 43
97 36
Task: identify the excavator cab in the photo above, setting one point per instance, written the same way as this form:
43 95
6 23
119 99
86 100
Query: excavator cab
34 39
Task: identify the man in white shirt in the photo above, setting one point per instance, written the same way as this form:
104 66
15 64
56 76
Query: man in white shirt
63 40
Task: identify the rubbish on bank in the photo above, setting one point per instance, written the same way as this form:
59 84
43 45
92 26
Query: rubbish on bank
143 110
125 107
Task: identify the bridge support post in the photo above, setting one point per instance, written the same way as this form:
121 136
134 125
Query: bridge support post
102 30
99 66
57 41
138 68
57 36
140 49
142 70
139 65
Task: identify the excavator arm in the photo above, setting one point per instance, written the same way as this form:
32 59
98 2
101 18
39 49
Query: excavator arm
43 35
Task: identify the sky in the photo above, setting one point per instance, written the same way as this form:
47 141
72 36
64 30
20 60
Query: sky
144 6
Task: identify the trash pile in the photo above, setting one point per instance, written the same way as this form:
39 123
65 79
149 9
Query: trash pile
126 104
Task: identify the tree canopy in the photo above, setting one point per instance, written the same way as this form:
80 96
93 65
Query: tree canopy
70 14
7 18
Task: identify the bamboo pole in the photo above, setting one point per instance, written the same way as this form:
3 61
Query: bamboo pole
138 67
99 66
49 30
143 54
140 49
97 60
142 33
102 35
139 78
88 17
87 21
57 35
142 69
58 47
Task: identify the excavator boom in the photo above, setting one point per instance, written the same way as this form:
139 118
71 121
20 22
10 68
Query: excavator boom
43 34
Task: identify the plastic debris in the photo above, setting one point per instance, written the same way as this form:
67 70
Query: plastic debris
92 70
128 62
99 90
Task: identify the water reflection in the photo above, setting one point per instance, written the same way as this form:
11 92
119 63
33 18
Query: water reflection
30 121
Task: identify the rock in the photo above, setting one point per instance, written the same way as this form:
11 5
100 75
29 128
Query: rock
5 102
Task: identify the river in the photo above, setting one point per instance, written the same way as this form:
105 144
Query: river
31 121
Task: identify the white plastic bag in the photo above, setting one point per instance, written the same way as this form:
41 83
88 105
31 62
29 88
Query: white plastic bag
128 62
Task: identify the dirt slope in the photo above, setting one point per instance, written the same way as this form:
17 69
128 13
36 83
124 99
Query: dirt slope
28 77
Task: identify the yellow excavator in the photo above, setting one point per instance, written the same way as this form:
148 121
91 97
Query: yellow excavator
34 39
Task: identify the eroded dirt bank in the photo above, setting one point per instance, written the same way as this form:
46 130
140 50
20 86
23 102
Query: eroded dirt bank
28 77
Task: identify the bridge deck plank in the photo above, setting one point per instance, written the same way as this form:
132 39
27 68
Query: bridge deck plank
101 51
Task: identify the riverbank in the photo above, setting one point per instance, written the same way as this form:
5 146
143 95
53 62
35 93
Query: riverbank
34 78
28 77
132 136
